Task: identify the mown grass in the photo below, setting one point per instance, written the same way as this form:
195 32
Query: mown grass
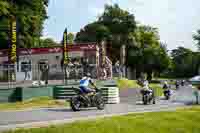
165 78
172 82
180 121
124 83
127 84
132 84
157 89
162 78
32 103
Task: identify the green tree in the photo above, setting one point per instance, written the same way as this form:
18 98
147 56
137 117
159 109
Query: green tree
162 60
115 26
186 62
30 16
119 22
146 53
70 38
118 27
4 8
196 37
93 32
47 42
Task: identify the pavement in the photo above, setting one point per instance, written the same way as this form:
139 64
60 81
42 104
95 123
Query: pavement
130 103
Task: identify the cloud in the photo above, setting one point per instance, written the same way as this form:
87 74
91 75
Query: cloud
96 11
175 21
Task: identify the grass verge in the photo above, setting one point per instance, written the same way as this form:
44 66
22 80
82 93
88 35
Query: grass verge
126 84
163 78
180 121
157 89
32 103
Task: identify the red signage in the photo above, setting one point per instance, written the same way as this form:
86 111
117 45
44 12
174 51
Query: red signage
71 48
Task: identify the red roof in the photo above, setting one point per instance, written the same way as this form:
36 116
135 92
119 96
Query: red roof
74 47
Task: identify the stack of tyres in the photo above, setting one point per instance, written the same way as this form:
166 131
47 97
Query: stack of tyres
111 95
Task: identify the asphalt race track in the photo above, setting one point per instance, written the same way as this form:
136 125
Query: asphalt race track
130 102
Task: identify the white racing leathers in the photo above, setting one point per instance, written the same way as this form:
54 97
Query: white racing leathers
146 87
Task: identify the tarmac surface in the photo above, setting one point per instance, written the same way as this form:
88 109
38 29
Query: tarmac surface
130 102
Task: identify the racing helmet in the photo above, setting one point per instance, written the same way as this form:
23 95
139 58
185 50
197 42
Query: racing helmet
88 75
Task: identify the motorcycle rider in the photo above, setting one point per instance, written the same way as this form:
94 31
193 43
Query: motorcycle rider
177 84
149 91
166 87
84 83
146 87
182 82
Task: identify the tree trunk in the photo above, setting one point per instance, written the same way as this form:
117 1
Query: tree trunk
149 76
134 73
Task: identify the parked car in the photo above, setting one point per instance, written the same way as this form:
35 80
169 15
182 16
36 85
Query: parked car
195 81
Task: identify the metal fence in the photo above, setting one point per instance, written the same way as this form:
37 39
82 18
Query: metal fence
52 74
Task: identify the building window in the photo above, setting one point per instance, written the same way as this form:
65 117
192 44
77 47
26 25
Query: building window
57 57
54 66
92 60
25 66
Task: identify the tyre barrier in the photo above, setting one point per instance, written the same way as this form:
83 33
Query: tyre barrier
110 94
63 92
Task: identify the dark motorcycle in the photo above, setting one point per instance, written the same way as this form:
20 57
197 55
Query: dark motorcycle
81 101
147 97
177 85
167 94
182 82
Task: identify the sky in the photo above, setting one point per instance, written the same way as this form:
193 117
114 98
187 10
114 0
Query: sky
177 20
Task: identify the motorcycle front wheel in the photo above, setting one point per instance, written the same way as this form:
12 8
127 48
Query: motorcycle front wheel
145 100
167 97
100 103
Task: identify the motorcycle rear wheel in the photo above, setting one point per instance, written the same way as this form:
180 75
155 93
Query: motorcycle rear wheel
75 103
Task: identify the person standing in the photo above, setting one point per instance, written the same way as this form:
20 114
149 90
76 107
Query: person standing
26 71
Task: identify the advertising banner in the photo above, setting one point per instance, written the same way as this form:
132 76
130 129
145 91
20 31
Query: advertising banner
65 50
12 49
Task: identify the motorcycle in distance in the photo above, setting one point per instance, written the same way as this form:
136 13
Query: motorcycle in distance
177 84
148 97
166 90
94 100
167 94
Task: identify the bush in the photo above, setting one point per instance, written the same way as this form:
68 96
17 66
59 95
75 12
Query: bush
155 81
